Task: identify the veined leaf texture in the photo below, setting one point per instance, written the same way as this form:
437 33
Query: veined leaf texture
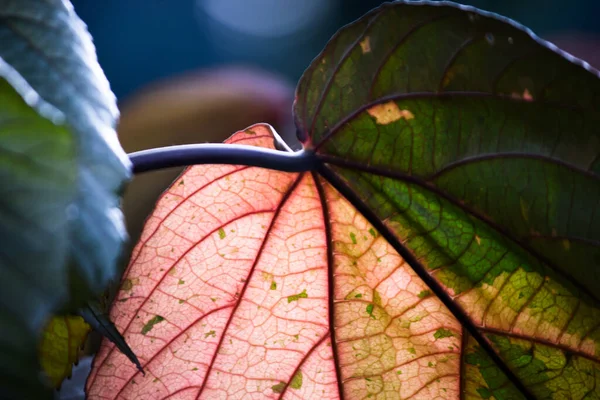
447 246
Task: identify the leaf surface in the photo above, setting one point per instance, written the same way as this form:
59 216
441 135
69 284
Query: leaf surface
59 348
61 167
34 234
447 246
474 147
52 50
231 290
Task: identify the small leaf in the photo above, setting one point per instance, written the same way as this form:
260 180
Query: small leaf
63 338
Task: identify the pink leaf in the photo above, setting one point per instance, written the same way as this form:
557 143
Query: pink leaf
249 283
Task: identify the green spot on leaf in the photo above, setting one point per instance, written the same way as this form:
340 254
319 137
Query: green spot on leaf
181 301
412 350
296 382
181 282
442 333
372 232
150 324
279 387
295 297
353 237
273 285
370 310
222 233
127 285
424 293
358 296
210 333
484 393
376 297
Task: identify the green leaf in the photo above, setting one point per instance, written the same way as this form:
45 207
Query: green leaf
474 148
50 47
36 162
62 168
59 349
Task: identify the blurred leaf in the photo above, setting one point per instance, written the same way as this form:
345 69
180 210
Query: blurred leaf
36 162
61 228
50 47
59 349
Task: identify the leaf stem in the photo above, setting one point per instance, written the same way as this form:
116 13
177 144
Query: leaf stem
219 153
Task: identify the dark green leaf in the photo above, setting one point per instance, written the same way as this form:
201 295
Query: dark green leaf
474 148
36 162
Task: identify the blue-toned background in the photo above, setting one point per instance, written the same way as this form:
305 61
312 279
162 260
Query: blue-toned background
139 41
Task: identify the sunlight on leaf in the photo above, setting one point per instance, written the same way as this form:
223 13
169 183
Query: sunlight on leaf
446 247
60 345
285 331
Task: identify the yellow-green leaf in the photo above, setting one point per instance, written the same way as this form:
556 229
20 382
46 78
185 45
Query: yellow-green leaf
59 348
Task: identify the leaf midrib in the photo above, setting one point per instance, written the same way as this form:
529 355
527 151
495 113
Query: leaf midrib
459 313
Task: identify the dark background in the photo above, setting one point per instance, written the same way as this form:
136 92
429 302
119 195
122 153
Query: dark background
140 41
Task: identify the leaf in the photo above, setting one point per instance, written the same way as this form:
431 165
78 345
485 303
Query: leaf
50 47
474 149
33 233
229 328
101 323
470 148
61 228
59 348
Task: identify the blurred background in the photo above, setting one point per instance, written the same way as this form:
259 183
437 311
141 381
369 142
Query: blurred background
188 71
140 41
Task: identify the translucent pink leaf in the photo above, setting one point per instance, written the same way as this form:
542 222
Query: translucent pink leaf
249 283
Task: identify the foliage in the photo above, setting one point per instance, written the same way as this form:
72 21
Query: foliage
444 245
437 236
61 228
